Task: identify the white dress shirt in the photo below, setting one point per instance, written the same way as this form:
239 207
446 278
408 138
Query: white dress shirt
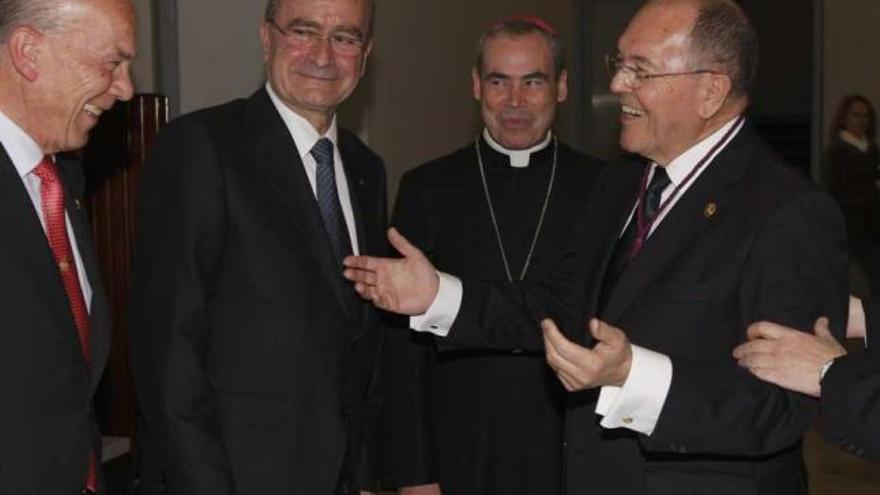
305 136
26 155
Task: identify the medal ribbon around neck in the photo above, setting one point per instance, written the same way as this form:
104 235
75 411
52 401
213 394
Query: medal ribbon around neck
645 224
525 267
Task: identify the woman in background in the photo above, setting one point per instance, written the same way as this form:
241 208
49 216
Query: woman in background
854 166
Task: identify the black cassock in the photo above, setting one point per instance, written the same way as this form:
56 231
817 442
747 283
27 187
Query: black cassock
481 422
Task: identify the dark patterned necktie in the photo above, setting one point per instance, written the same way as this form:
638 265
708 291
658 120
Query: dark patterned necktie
633 238
328 199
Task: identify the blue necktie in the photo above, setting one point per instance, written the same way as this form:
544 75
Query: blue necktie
328 199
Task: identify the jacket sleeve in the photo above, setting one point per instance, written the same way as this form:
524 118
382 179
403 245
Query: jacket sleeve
796 270
178 246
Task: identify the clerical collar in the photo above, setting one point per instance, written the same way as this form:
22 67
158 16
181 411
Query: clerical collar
518 158
860 144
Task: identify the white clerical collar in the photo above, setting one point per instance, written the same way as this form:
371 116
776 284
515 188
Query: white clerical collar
518 158
24 152
304 134
681 166
860 144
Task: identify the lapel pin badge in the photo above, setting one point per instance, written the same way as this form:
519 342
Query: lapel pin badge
710 210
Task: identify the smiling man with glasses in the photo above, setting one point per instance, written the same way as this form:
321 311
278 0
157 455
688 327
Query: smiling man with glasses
253 358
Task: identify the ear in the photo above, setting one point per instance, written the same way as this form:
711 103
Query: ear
265 39
477 83
367 49
24 47
562 86
713 93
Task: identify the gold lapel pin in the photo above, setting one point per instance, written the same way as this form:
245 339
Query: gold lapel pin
710 210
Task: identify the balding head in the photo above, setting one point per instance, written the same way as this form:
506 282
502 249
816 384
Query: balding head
62 64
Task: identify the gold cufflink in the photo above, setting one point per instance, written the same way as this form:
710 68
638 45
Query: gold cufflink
710 210
627 420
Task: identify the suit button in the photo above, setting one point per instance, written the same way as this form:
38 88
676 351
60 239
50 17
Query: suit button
347 411
516 351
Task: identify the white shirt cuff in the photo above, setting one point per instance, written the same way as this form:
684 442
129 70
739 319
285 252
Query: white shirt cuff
638 403
441 314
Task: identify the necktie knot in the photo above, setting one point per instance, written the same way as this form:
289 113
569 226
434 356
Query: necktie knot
658 184
322 151
46 170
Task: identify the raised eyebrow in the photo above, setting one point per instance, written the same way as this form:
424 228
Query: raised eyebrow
300 22
496 75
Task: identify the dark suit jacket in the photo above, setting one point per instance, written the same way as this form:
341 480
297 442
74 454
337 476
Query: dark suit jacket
47 424
850 404
750 240
770 247
252 356
481 422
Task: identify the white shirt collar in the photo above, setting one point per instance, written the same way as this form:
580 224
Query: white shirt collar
518 158
304 134
860 144
24 152
682 165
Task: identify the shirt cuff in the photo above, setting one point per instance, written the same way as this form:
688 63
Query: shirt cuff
638 403
441 314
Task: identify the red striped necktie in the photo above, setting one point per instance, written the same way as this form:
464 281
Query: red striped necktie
52 197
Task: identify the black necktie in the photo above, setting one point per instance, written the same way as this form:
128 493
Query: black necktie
328 199
623 250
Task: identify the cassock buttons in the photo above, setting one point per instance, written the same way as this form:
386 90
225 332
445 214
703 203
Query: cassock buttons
710 210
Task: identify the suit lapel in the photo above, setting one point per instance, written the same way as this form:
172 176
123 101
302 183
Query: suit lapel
682 225
29 249
100 329
274 154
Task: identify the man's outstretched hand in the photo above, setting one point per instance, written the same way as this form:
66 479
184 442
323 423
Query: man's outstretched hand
404 285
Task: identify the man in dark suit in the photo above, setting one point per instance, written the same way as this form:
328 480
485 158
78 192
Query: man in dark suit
501 208
847 384
252 356
681 254
62 63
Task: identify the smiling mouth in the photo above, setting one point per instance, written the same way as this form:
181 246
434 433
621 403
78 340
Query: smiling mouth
630 111
92 110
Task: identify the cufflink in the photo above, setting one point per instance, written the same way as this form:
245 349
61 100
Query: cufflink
627 420
710 210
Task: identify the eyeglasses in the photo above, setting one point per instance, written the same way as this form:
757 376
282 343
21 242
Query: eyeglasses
635 77
341 42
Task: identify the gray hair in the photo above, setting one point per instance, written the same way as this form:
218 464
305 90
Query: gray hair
272 7
40 14
522 25
723 36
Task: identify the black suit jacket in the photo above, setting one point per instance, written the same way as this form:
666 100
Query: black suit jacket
850 404
486 421
750 240
252 355
47 424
